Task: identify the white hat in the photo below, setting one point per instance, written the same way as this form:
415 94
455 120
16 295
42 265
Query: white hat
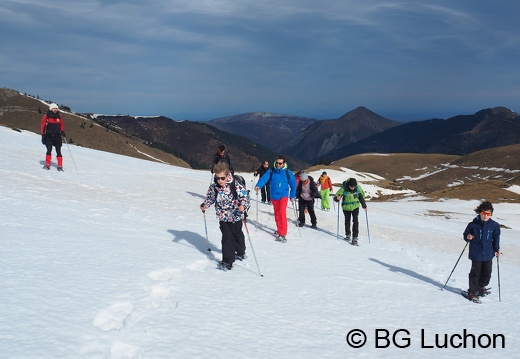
53 105
304 176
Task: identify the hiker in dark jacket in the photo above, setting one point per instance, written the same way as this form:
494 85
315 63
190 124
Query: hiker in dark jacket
222 155
52 129
483 235
306 192
266 195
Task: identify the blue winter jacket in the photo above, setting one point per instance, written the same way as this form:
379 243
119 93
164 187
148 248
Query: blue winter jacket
280 187
486 239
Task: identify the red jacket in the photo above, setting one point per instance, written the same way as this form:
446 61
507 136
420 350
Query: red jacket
325 182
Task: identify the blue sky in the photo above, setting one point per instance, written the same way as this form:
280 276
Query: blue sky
204 59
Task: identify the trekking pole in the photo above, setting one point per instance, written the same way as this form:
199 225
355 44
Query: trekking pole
368 229
206 228
498 274
256 207
296 217
337 227
251 245
72 158
455 265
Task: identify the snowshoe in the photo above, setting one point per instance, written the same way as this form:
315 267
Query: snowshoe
281 239
484 292
224 266
470 296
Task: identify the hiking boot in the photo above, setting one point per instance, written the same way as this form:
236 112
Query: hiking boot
60 168
314 226
482 292
301 224
47 167
474 298
281 239
225 266
354 241
347 238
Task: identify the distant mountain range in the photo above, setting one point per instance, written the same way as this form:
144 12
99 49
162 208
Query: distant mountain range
254 137
194 142
270 130
323 139
459 135
363 131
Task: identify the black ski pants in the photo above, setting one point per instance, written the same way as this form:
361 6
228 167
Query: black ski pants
355 222
53 140
265 191
480 275
233 240
302 204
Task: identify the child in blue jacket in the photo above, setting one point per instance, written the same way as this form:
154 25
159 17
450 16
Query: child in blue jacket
483 235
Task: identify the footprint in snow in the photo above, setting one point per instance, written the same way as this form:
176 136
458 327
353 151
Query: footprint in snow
113 317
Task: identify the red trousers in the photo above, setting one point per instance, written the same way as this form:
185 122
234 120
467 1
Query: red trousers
280 214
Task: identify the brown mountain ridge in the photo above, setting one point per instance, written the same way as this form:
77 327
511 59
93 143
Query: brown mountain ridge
476 175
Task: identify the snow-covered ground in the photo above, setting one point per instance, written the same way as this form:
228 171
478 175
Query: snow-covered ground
111 261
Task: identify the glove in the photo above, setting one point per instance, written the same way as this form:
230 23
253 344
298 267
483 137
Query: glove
336 199
43 139
63 133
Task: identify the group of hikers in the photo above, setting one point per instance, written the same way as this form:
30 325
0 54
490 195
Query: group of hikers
278 185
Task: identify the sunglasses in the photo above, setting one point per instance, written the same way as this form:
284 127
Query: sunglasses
220 178
279 163
489 214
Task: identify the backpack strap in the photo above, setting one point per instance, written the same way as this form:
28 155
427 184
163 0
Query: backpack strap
233 185
356 196
286 173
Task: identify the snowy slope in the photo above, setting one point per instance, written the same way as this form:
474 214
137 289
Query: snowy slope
111 261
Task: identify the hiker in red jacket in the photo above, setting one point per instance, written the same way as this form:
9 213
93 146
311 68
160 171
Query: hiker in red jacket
52 130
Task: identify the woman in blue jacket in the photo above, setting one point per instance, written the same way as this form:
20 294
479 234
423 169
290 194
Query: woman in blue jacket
483 235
